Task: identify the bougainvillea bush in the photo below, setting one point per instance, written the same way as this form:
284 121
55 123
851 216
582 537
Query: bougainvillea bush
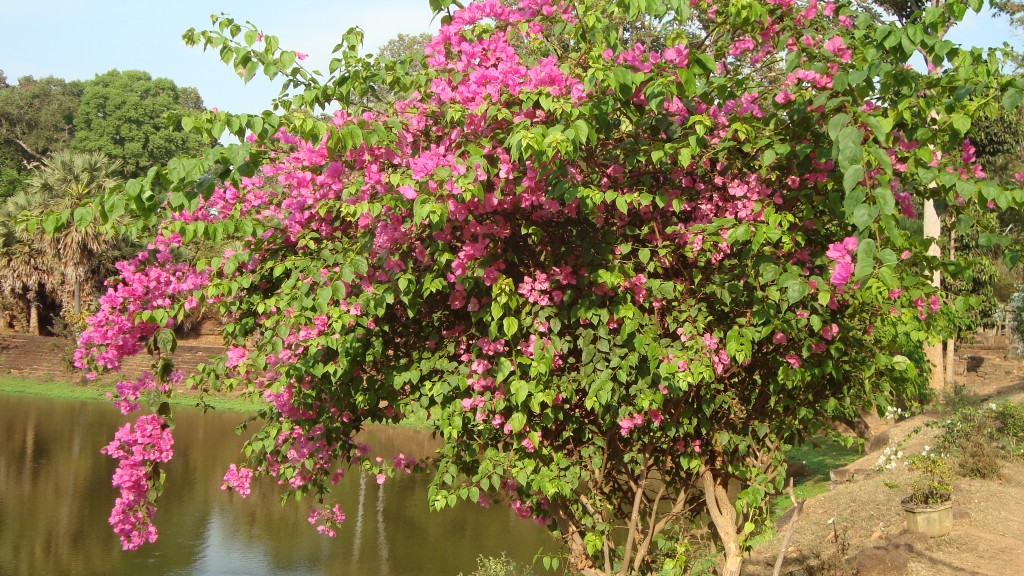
616 277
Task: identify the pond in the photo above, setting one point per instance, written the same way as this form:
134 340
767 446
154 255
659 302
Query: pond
55 498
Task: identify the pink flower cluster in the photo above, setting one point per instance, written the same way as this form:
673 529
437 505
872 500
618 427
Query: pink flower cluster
327 520
150 281
841 253
129 391
237 478
137 450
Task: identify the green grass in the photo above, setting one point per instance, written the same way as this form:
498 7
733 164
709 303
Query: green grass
820 455
93 391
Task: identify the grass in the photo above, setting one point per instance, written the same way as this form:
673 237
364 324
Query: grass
93 391
820 455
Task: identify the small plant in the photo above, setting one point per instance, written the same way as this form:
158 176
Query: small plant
933 484
1010 419
500 566
980 437
889 458
957 399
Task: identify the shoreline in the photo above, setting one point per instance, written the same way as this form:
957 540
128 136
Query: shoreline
64 390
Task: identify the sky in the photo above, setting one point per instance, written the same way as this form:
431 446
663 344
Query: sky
77 39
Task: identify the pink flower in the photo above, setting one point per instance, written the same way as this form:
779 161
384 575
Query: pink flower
237 479
235 356
408 192
381 478
793 360
778 338
327 518
838 49
841 253
829 332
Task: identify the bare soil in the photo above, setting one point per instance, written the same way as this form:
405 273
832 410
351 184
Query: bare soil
858 528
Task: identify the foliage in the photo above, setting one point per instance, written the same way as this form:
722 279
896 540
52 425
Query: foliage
1016 309
69 261
405 54
36 116
979 436
501 566
122 115
933 483
615 280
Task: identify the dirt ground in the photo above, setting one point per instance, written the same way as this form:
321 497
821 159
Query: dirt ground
858 526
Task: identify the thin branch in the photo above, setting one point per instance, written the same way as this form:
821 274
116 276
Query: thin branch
790 528
634 518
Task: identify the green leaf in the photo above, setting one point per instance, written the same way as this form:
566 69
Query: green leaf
863 216
517 422
287 59
850 150
865 260
886 201
83 217
961 123
510 325
1012 98
852 177
738 235
795 286
837 124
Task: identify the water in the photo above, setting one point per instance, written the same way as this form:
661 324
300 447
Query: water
55 498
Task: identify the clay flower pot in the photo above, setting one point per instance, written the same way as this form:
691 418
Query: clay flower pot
932 520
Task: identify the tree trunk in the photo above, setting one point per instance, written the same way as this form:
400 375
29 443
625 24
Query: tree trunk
77 302
932 229
33 317
723 515
951 342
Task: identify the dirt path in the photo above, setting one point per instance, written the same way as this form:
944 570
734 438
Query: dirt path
988 527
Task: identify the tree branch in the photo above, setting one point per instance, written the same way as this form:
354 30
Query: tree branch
790 528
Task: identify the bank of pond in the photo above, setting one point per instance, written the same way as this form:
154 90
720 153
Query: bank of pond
56 495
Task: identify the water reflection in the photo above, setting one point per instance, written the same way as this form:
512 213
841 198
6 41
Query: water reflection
55 497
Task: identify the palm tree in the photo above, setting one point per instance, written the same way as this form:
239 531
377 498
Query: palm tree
67 181
33 264
27 265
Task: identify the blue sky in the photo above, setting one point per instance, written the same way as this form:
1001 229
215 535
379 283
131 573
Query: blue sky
77 39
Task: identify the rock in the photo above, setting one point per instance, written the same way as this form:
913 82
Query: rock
880 561
878 441
841 475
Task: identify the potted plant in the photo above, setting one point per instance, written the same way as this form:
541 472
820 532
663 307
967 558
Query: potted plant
929 507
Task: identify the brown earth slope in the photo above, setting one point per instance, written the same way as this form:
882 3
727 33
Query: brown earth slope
858 526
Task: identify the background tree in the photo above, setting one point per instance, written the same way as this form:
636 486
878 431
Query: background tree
124 116
28 266
60 189
37 116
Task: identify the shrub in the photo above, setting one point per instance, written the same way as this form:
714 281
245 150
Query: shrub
933 484
500 566
980 437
